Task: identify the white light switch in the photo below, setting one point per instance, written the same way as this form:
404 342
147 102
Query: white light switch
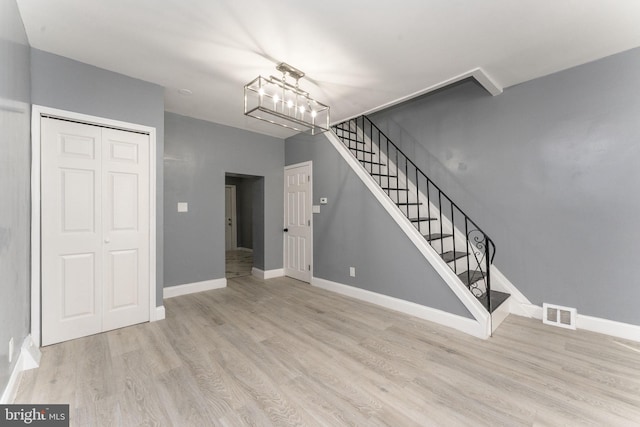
323 200
183 207
315 209
352 271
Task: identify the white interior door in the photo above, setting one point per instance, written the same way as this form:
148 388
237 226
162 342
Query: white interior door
71 230
125 174
95 229
297 222
230 231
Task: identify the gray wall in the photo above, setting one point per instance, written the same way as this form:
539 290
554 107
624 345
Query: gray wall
15 166
353 230
549 169
244 209
66 84
198 154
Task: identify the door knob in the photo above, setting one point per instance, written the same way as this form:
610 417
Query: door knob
286 230
107 240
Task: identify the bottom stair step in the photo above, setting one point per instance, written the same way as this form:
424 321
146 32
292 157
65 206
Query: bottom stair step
497 298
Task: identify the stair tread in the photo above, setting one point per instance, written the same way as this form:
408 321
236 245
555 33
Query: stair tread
452 256
436 236
422 218
497 298
345 130
371 162
362 151
470 279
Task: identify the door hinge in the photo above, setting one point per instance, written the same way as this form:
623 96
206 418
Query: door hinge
309 267
309 222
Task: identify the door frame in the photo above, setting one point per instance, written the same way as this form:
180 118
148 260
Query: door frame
310 210
234 217
37 112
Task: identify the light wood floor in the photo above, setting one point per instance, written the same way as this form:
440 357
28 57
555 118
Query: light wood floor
281 352
238 263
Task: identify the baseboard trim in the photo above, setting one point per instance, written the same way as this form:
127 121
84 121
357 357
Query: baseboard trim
612 328
191 288
240 248
268 274
160 313
29 358
463 324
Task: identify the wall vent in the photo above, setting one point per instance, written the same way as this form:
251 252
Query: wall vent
564 317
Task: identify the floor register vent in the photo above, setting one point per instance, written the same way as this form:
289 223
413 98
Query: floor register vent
564 317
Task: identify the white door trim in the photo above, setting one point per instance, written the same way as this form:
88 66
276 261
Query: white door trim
309 207
234 217
37 111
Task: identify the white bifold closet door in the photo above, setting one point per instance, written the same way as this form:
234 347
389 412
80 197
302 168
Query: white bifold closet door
95 229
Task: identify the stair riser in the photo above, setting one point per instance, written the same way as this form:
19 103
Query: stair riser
447 245
461 264
415 212
374 168
385 181
400 196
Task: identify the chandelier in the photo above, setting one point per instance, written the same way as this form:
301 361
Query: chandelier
284 104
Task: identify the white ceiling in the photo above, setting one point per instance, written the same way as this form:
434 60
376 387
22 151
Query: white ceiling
357 54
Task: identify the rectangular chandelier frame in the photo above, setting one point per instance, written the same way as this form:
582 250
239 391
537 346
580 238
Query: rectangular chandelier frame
275 101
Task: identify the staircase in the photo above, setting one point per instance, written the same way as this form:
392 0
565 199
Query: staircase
459 242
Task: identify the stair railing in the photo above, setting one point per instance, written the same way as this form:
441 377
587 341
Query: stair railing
407 182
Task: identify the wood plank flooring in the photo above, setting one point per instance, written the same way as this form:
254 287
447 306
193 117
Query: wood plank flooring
280 352
238 263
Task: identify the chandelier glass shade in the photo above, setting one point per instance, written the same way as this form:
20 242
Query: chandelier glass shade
284 104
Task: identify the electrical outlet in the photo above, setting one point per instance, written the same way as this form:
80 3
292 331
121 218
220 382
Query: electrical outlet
10 349
352 271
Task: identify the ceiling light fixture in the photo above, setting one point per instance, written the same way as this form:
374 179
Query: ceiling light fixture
276 101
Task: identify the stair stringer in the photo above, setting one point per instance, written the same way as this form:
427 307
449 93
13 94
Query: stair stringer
517 303
480 325
445 223
430 207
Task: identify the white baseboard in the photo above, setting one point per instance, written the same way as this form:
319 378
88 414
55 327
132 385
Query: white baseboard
463 324
190 288
268 274
239 248
29 358
594 324
160 313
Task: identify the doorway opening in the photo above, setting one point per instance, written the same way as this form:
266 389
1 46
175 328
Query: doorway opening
243 223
